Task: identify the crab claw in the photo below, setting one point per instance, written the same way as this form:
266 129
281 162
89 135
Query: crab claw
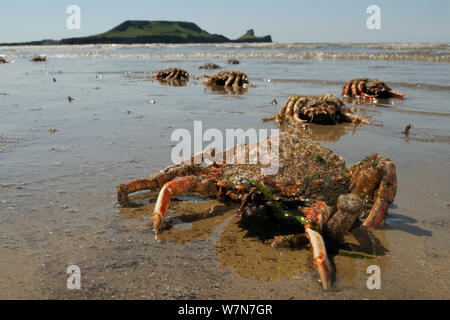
321 262
315 216
175 187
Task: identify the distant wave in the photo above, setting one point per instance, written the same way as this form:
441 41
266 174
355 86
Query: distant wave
410 56
427 52
299 45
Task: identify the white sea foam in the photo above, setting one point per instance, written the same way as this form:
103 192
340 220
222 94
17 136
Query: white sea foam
428 52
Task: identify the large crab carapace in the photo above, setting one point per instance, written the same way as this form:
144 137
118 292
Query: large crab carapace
329 194
228 79
369 88
321 109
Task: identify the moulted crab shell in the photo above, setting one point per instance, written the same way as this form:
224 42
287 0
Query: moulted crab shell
233 61
322 109
218 89
369 88
209 66
40 58
172 74
228 78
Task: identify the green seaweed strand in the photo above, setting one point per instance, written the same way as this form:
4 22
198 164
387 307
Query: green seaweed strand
353 255
277 205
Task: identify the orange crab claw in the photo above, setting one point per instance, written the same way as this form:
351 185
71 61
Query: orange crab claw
365 95
320 257
315 217
397 94
181 185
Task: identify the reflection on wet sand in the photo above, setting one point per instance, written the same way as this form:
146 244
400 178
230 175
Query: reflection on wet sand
375 102
415 134
186 220
243 243
211 88
374 248
317 132
245 251
243 246
173 83
7 142
424 135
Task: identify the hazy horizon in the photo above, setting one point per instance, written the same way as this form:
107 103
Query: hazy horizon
288 21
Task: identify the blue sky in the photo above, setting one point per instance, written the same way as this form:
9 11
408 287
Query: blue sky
285 20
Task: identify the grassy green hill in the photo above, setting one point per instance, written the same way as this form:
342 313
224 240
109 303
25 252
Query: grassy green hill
133 31
154 28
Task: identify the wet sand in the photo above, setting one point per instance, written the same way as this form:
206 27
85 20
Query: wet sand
58 203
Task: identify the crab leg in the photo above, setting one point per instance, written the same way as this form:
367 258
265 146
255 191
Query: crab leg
383 197
156 181
354 88
208 79
229 80
296 116
319 251
181 185
314 216
397 94
363 94
375 178
355 118
124 189
287 112
270 118
282 113
290 107
278 116
165 75
237 80
361 88
345 91
348 88
173 75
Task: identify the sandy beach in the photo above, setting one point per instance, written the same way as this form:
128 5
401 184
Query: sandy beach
58 205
